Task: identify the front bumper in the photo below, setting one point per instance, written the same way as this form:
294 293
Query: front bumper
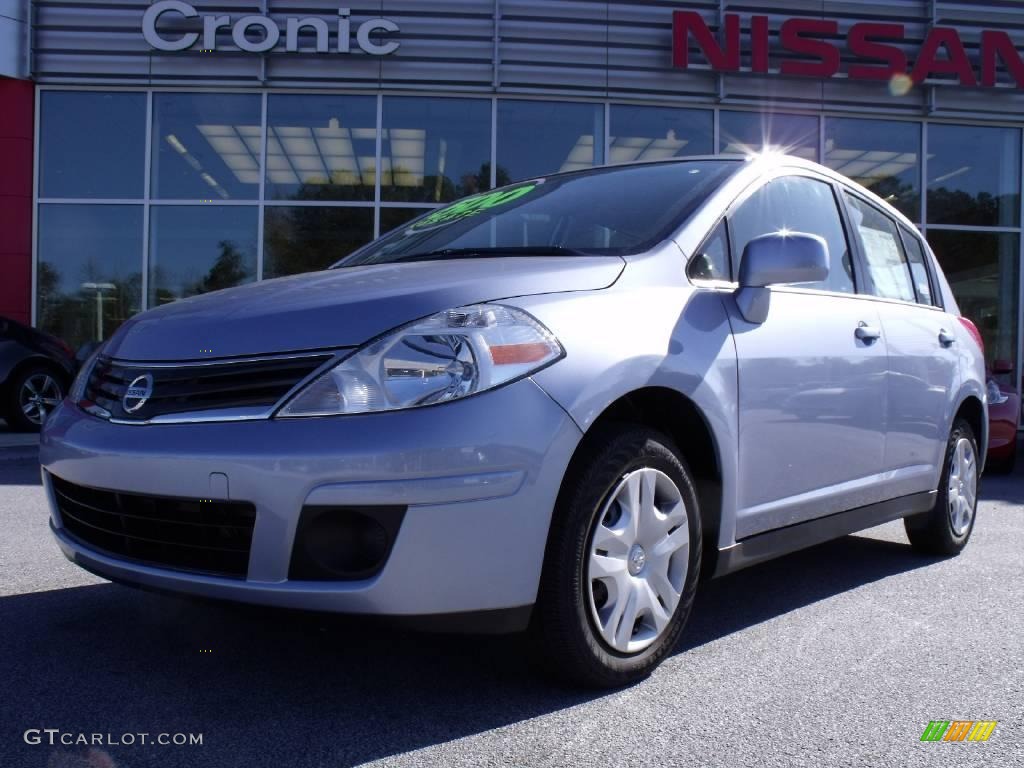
480 477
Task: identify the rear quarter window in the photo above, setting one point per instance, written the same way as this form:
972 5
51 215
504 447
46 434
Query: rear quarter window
918 267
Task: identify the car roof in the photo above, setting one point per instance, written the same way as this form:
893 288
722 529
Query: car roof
751 166
757 164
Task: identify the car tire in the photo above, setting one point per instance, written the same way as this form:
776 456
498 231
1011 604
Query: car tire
574 629
946 529
35 387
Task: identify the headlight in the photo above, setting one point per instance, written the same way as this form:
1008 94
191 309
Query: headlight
444 357
77 391
995 395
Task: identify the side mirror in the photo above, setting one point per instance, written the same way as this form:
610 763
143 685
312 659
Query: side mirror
1001 365
792 257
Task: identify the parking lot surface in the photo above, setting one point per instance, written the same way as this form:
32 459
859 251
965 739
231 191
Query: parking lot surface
835 656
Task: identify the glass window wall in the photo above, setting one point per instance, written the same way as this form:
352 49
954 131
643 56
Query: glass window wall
745 132
540 137
882 155
206 146
89 275
321 147
435 150
983 269
656 133
307 238
91 144
973 175
198 248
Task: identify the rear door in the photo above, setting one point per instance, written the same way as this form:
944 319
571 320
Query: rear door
811 377
921 338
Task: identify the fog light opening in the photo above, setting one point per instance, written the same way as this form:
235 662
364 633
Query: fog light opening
343 543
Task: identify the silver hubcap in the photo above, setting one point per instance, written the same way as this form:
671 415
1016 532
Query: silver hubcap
963 486
39 395
639 555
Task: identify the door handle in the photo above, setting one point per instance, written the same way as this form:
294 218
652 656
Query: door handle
945 337
867 333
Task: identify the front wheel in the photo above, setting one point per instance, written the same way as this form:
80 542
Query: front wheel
947 527
622 562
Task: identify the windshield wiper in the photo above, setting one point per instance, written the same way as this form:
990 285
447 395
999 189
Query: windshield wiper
495 252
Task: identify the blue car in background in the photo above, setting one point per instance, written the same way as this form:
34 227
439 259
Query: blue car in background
35 372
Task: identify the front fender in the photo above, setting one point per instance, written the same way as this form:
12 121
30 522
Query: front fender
635 336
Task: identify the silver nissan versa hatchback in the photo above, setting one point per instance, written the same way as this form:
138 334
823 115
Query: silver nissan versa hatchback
549 406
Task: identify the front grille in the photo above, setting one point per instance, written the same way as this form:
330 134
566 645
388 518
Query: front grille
190 387
211 537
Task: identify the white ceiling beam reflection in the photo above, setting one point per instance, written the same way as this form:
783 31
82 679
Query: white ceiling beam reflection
405 166
627 149
228 141
950 175
870 166
318 155
580 156
189 158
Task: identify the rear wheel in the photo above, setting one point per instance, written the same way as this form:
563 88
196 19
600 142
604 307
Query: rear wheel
622 562
947 527
33 394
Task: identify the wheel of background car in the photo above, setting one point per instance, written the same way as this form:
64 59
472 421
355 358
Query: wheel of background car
1004 465
946 529
622 562
33 395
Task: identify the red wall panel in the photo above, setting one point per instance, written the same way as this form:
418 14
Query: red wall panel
17 98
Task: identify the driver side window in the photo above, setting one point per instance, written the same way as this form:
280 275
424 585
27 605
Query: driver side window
797 204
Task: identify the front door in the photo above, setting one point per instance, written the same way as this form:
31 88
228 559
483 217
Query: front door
812 377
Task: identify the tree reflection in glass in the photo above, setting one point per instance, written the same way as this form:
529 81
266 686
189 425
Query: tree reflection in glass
882 155
197 249
973 175
88 278
303 239
434 150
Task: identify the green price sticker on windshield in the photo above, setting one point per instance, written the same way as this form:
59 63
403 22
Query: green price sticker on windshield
474 205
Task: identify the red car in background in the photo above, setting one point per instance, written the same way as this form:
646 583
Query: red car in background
1003 418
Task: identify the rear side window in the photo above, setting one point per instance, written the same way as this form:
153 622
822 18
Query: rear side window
798 204
918 267
888 270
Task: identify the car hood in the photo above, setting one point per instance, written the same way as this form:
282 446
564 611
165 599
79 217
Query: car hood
343 307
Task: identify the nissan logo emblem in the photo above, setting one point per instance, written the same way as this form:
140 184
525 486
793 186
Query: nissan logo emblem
138 392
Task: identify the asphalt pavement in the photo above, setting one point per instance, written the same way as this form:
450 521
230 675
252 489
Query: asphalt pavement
17 445
835 656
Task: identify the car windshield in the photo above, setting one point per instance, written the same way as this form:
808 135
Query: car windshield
605 211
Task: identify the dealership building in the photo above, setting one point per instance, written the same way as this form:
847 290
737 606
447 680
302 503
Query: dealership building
150 151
